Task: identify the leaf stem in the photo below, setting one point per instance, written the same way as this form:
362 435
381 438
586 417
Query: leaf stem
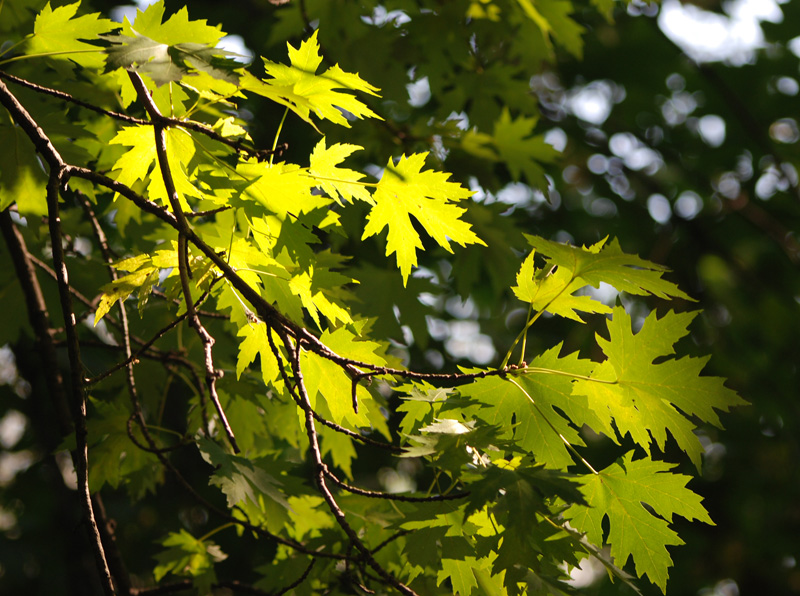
261 272
522 334
278 134
563 373
208 535
19 43
165 430
340 181
524 346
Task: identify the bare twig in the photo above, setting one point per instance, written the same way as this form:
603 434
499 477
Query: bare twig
67 97
390 496
76 374
320 474
58 168
38 317
238 145
159 127
108 533
332 425
299 580
390 539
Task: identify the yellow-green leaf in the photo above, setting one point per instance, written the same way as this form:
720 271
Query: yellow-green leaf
647 399
620 493
59 31
302 90
404 191
607 263
553 291
336 181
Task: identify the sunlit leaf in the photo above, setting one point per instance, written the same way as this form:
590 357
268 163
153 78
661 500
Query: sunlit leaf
406 190
619 493
647 392
305 92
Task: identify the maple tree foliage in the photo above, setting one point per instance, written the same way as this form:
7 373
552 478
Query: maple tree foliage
235 351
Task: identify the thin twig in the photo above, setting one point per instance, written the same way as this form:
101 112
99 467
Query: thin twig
134 417
76 374
126 333
57 168
390 496
159 128
39 318
332 425
390 539
67 97
107 529
238 145
53 158
320 475
299 580
209 212
141 352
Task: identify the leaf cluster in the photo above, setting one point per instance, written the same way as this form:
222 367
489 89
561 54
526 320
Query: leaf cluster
260 347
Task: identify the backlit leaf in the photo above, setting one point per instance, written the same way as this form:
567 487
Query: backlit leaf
305 92
647 399
336 181
618 493
60 32
606 263
406 190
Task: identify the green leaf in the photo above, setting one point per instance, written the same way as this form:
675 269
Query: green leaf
59 31
316 297
419 406
405 190
171 50
607 263
187 556
339 448
647 399
529 414
336 181
554 291
282 188
239 478
309 515
175 30
117 461
168 63
22 180
299 88
381 294
448 426
460 574
17 16
256 343
619 493
135 164
551 16
328 379
513 145
144 275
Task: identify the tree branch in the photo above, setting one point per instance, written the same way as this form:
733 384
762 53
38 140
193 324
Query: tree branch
390 496
76 375
57 177
238 145
320 474
183 251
